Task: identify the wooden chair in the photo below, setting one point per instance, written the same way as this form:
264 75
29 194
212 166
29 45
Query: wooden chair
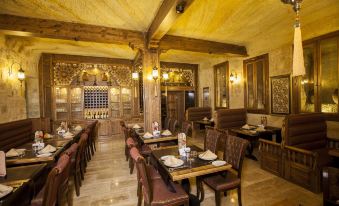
233 154
56 185
187 128
78 171
135 155
212 138
130 144
155 191
331 186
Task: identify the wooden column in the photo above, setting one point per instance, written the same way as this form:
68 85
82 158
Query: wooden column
152 95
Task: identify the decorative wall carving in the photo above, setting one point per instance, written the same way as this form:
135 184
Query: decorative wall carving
180 74
66 73
280 94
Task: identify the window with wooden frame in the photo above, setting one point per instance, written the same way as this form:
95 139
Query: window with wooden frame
256 75
317 90
221 77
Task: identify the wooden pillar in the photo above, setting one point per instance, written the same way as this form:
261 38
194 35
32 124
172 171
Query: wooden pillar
152 95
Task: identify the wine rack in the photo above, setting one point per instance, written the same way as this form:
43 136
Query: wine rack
96 97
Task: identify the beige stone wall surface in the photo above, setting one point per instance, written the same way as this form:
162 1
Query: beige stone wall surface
13 104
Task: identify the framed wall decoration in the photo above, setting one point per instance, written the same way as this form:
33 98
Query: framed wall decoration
281 94
206 97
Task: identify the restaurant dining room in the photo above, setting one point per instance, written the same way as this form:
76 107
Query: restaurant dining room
169 102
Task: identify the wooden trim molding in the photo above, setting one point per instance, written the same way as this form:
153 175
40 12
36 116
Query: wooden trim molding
24 26
197 45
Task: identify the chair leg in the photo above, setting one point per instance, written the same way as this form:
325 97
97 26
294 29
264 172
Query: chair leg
202 192
239 196
77 184
131 165
139 194
217 198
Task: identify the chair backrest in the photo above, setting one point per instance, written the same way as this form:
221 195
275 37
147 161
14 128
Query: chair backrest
166 123
57 181
234 152
130 142
187 128
230 118
81 148
14 134
145 179
198 113
72 150
306 131
211 139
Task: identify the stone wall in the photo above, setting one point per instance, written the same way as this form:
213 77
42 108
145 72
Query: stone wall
14 104
280 63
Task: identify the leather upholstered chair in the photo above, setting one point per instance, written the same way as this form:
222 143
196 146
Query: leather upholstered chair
212 139
78 171
187 128
130 144
135 155
56 186
155 191
234 153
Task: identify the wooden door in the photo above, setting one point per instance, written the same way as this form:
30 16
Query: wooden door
176 106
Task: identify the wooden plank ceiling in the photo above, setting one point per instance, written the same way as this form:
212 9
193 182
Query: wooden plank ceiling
219 27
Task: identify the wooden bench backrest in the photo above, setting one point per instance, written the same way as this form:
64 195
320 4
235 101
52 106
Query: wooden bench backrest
198 113
229 118
14 134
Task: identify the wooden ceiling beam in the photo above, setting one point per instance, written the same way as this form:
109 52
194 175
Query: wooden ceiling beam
196 45
23 26
164 20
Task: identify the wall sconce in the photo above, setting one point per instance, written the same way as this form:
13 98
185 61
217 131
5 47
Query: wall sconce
135 75
155 73
233 77
165 76
21 72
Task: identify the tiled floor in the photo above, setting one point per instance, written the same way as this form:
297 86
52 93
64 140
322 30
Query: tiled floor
108 182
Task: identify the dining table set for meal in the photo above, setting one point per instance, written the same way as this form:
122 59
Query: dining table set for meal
174 166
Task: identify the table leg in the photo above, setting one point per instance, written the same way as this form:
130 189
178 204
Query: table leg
250 149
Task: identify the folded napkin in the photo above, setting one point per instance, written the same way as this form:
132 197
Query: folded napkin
2 164
211 120
68 135
205 119
208 155
246 126
12 153
48 149
166 132
78 128
136 126
173 161
147 135
260 129
5 190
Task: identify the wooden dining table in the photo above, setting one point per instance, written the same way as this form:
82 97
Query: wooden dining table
191 168
155 140
30 156
26 181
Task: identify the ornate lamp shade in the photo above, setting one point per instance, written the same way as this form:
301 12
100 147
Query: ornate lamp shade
298 56
21 75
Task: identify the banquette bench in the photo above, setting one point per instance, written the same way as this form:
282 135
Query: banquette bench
303 152
198 113
14 134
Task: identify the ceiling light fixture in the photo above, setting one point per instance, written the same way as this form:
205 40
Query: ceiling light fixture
298 68
180 8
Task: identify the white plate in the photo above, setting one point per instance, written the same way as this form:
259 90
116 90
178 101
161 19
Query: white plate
5 190
147 137
218 163
44 155
179 163
163 158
